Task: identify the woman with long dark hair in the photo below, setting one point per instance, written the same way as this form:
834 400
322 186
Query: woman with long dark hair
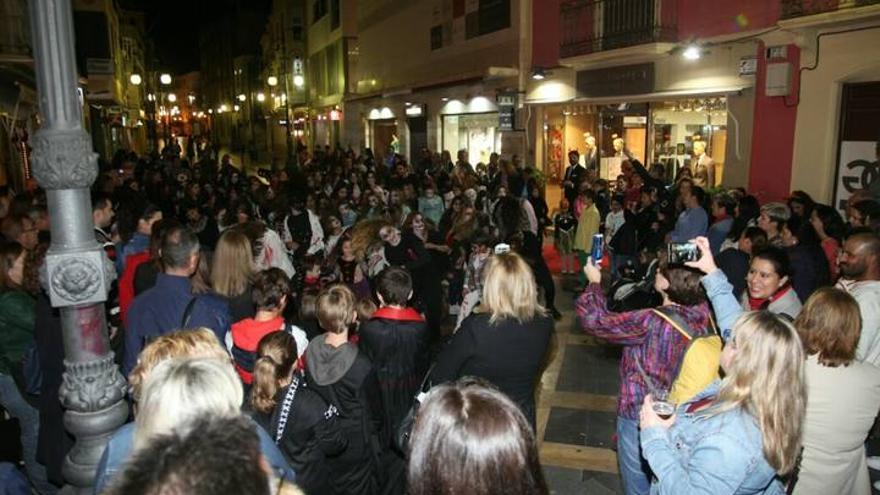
470 438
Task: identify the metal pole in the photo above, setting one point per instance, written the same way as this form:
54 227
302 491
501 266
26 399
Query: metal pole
77 272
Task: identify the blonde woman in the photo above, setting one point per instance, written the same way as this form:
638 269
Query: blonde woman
507 337
740 434
177 391
232 273
155 411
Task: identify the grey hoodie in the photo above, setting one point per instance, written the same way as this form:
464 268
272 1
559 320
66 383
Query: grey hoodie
327 364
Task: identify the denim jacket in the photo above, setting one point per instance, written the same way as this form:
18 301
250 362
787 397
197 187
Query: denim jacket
727 308
118 452
716 455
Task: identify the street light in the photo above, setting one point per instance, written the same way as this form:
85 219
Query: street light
261 97
165 79
236 107
172 97
135 79
242 97
272 81
299 81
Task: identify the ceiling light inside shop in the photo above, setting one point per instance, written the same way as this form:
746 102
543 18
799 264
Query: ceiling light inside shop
538 74
691 52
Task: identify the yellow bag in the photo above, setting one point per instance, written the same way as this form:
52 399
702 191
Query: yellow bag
700 362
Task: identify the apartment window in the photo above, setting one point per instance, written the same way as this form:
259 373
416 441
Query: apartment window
333 69
319 10
318 74
297 29
335 14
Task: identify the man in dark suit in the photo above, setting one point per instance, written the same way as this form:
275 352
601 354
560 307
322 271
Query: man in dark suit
574 174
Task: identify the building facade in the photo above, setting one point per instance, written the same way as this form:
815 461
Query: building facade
18 100
282 81
332 56
754 81
431 73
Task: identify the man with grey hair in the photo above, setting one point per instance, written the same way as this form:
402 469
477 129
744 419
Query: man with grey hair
170 304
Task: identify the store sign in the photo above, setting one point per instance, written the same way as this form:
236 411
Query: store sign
748 66
859 166
616 81
506 111
415 110
635 120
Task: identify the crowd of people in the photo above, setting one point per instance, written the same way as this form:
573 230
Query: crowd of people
293 317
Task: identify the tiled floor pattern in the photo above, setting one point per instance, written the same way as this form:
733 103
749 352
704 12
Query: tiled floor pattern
577 405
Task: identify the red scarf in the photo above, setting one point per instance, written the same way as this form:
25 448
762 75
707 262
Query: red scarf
400 314
758 304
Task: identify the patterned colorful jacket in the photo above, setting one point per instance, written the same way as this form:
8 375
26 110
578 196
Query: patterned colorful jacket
646 337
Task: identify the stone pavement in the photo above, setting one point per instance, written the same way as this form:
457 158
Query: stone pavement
577 405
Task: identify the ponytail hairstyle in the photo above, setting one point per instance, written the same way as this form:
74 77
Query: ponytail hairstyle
276 355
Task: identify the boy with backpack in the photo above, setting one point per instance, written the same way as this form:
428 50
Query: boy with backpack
664 350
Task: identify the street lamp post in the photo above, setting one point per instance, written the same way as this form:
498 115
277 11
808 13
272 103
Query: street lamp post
77 272
272 81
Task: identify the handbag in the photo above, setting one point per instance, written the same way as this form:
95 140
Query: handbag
404 430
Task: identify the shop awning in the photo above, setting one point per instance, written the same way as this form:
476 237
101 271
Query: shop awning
663 95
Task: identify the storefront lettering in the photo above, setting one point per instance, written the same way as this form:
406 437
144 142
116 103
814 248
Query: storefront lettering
616 81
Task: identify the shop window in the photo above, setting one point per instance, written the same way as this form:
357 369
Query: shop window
476 133
678 124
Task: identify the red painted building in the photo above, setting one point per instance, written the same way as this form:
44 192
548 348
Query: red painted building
664 74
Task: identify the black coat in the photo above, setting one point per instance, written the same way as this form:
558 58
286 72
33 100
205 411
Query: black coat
53 442
508 353
357 399
396 341
735 265
310 436
809 269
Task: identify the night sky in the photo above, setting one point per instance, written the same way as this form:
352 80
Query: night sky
173 26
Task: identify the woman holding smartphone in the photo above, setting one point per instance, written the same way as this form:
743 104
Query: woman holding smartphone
743 432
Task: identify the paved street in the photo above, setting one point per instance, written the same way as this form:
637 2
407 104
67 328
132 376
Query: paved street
576 410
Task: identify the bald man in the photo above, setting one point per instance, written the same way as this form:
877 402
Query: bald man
859 263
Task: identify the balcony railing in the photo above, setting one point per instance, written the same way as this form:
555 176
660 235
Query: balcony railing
590 26
802 8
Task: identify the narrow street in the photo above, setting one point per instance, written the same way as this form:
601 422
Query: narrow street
577 407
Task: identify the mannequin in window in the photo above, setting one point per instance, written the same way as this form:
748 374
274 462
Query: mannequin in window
591 156
618 144
702 166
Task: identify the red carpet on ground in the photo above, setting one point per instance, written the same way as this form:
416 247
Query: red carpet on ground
551 256
554 261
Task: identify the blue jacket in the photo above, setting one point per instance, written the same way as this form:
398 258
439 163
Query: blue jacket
692 223
138 242
160 309
717 233
727 308
721 454
118 451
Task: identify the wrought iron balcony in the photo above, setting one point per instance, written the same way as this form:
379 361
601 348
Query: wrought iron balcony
802 8
590 26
